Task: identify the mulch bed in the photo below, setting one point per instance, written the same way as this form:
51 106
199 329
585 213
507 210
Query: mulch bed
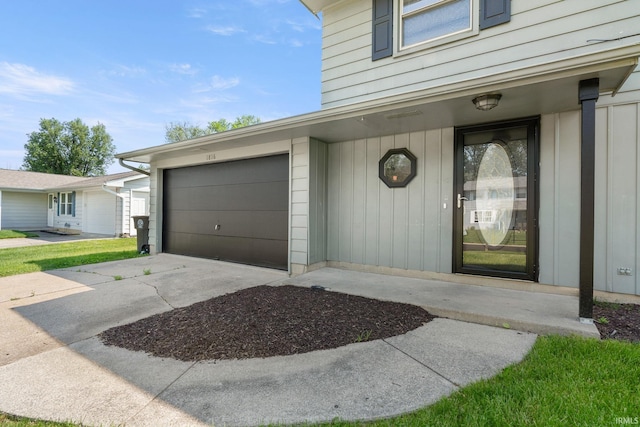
266 321
617 321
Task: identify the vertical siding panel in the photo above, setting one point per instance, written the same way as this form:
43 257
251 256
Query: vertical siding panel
623 198
445 218
431 201
400 214
314 218
636 267
415 239
372 202
346 200
359 201
568 200
385 226
601 253
333 202
317 212
546 215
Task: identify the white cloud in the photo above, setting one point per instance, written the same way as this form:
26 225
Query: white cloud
196 12
296 43
22 80
128 71
220 83
267 2
263 38
225 31
300 27
186 69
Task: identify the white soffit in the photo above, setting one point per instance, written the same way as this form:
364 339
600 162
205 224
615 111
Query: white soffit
317 6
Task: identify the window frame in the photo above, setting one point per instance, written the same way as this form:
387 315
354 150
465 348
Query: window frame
66 207
473 30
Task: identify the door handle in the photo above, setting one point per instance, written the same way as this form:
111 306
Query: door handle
460 199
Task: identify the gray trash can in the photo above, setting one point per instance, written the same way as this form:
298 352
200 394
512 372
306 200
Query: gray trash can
142 230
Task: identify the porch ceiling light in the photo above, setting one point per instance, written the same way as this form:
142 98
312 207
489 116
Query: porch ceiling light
486 102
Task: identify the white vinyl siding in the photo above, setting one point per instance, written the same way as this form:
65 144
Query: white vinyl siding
23 211
540 31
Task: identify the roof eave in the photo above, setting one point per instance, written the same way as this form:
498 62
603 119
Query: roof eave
317 6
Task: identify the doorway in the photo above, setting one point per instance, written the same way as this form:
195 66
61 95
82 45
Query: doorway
496 199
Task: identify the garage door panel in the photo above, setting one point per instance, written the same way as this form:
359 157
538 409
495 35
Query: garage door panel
263 252
247 199
274 168
250 224
267 196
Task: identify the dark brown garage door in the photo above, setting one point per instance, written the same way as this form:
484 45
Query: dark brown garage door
233 211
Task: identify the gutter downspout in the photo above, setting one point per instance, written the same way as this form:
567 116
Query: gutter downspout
142 171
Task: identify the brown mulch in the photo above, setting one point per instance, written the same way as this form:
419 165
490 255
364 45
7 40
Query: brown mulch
617 321
266 321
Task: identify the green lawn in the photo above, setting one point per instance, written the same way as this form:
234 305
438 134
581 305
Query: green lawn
513 237
13 234
563 381
61 255
499 260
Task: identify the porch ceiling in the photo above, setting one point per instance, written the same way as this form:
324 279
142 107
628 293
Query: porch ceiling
522 95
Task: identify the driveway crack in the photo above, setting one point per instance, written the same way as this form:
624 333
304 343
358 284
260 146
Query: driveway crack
157 291
424 365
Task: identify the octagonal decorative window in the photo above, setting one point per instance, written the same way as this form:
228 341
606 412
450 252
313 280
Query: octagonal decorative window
397 167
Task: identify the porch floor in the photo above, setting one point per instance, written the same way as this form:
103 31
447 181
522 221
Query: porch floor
536 312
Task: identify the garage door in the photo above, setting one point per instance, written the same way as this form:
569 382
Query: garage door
234 211
100 213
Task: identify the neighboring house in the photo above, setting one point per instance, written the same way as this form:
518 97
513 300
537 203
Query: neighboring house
425 103
98 205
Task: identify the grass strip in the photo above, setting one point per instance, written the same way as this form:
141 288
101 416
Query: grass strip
15 234
62 255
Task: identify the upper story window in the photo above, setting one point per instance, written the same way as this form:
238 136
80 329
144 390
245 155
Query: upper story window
426 20
418 24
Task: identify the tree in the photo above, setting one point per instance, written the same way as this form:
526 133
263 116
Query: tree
184 130
69 148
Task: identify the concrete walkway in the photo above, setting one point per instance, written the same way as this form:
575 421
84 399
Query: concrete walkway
53 366
45 238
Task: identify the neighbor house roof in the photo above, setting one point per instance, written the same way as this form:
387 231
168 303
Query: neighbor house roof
36 181
99 181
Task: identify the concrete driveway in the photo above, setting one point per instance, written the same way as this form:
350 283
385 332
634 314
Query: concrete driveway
53 366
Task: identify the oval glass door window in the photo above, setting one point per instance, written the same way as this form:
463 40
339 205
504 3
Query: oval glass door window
495 195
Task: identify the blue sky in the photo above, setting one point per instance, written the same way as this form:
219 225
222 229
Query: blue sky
138 65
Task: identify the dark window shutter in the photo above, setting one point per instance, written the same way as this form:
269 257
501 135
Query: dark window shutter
494 12
382 43
58 207
73 203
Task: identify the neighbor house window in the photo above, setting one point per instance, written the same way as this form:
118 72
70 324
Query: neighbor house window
427 20
66 203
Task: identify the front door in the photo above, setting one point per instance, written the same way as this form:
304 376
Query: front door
50 210
495 231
